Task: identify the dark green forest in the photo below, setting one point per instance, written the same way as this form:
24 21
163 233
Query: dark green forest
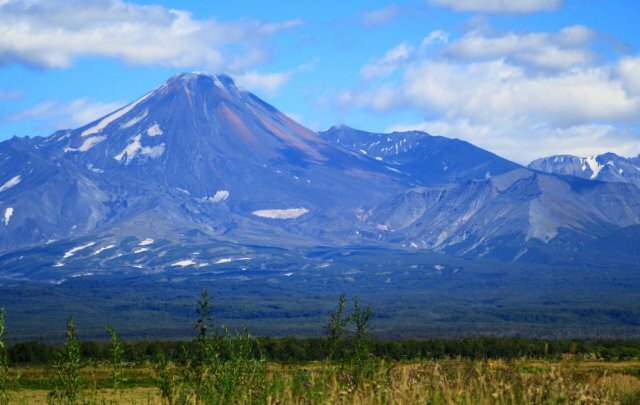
291 349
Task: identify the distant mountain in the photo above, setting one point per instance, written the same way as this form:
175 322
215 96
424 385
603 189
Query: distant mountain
605 167
519 215
471 202
428 159
200 162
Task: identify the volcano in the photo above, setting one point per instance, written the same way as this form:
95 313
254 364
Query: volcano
200 160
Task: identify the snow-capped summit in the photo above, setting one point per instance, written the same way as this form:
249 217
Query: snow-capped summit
195 153
606 167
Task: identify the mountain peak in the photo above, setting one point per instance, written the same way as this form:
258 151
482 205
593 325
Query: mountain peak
203 80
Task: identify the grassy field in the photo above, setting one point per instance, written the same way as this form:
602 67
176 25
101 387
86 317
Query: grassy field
219 366
449 381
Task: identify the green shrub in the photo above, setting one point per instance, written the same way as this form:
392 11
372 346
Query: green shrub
67 382
4 364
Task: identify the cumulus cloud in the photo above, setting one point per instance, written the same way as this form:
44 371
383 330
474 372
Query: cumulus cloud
499 6
562 50
499 90
506 100
628 71
380 16
55 34
54 114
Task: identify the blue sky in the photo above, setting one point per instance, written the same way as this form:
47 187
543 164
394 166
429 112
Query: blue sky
522 78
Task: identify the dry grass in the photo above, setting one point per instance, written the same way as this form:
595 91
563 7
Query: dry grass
137 395
432 382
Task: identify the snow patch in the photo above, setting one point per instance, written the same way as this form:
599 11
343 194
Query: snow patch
8 213
102 249
81 275
154 130
219 196
134 121
183 263
129 152
152 151
94 169
132 149
146 242
114 116
594 166
11 183
77 249
87 144
288 213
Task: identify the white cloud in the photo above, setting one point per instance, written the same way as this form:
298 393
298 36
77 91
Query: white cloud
435 37
54 34
499 6
389 63
380 16
269 83
401 55
56 114
513 104
562 50
628 70
499 90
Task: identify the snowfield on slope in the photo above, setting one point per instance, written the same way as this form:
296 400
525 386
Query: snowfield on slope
77 249
11 183
8 213
289 213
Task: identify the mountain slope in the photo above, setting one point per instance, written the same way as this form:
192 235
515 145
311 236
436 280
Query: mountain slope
508 216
